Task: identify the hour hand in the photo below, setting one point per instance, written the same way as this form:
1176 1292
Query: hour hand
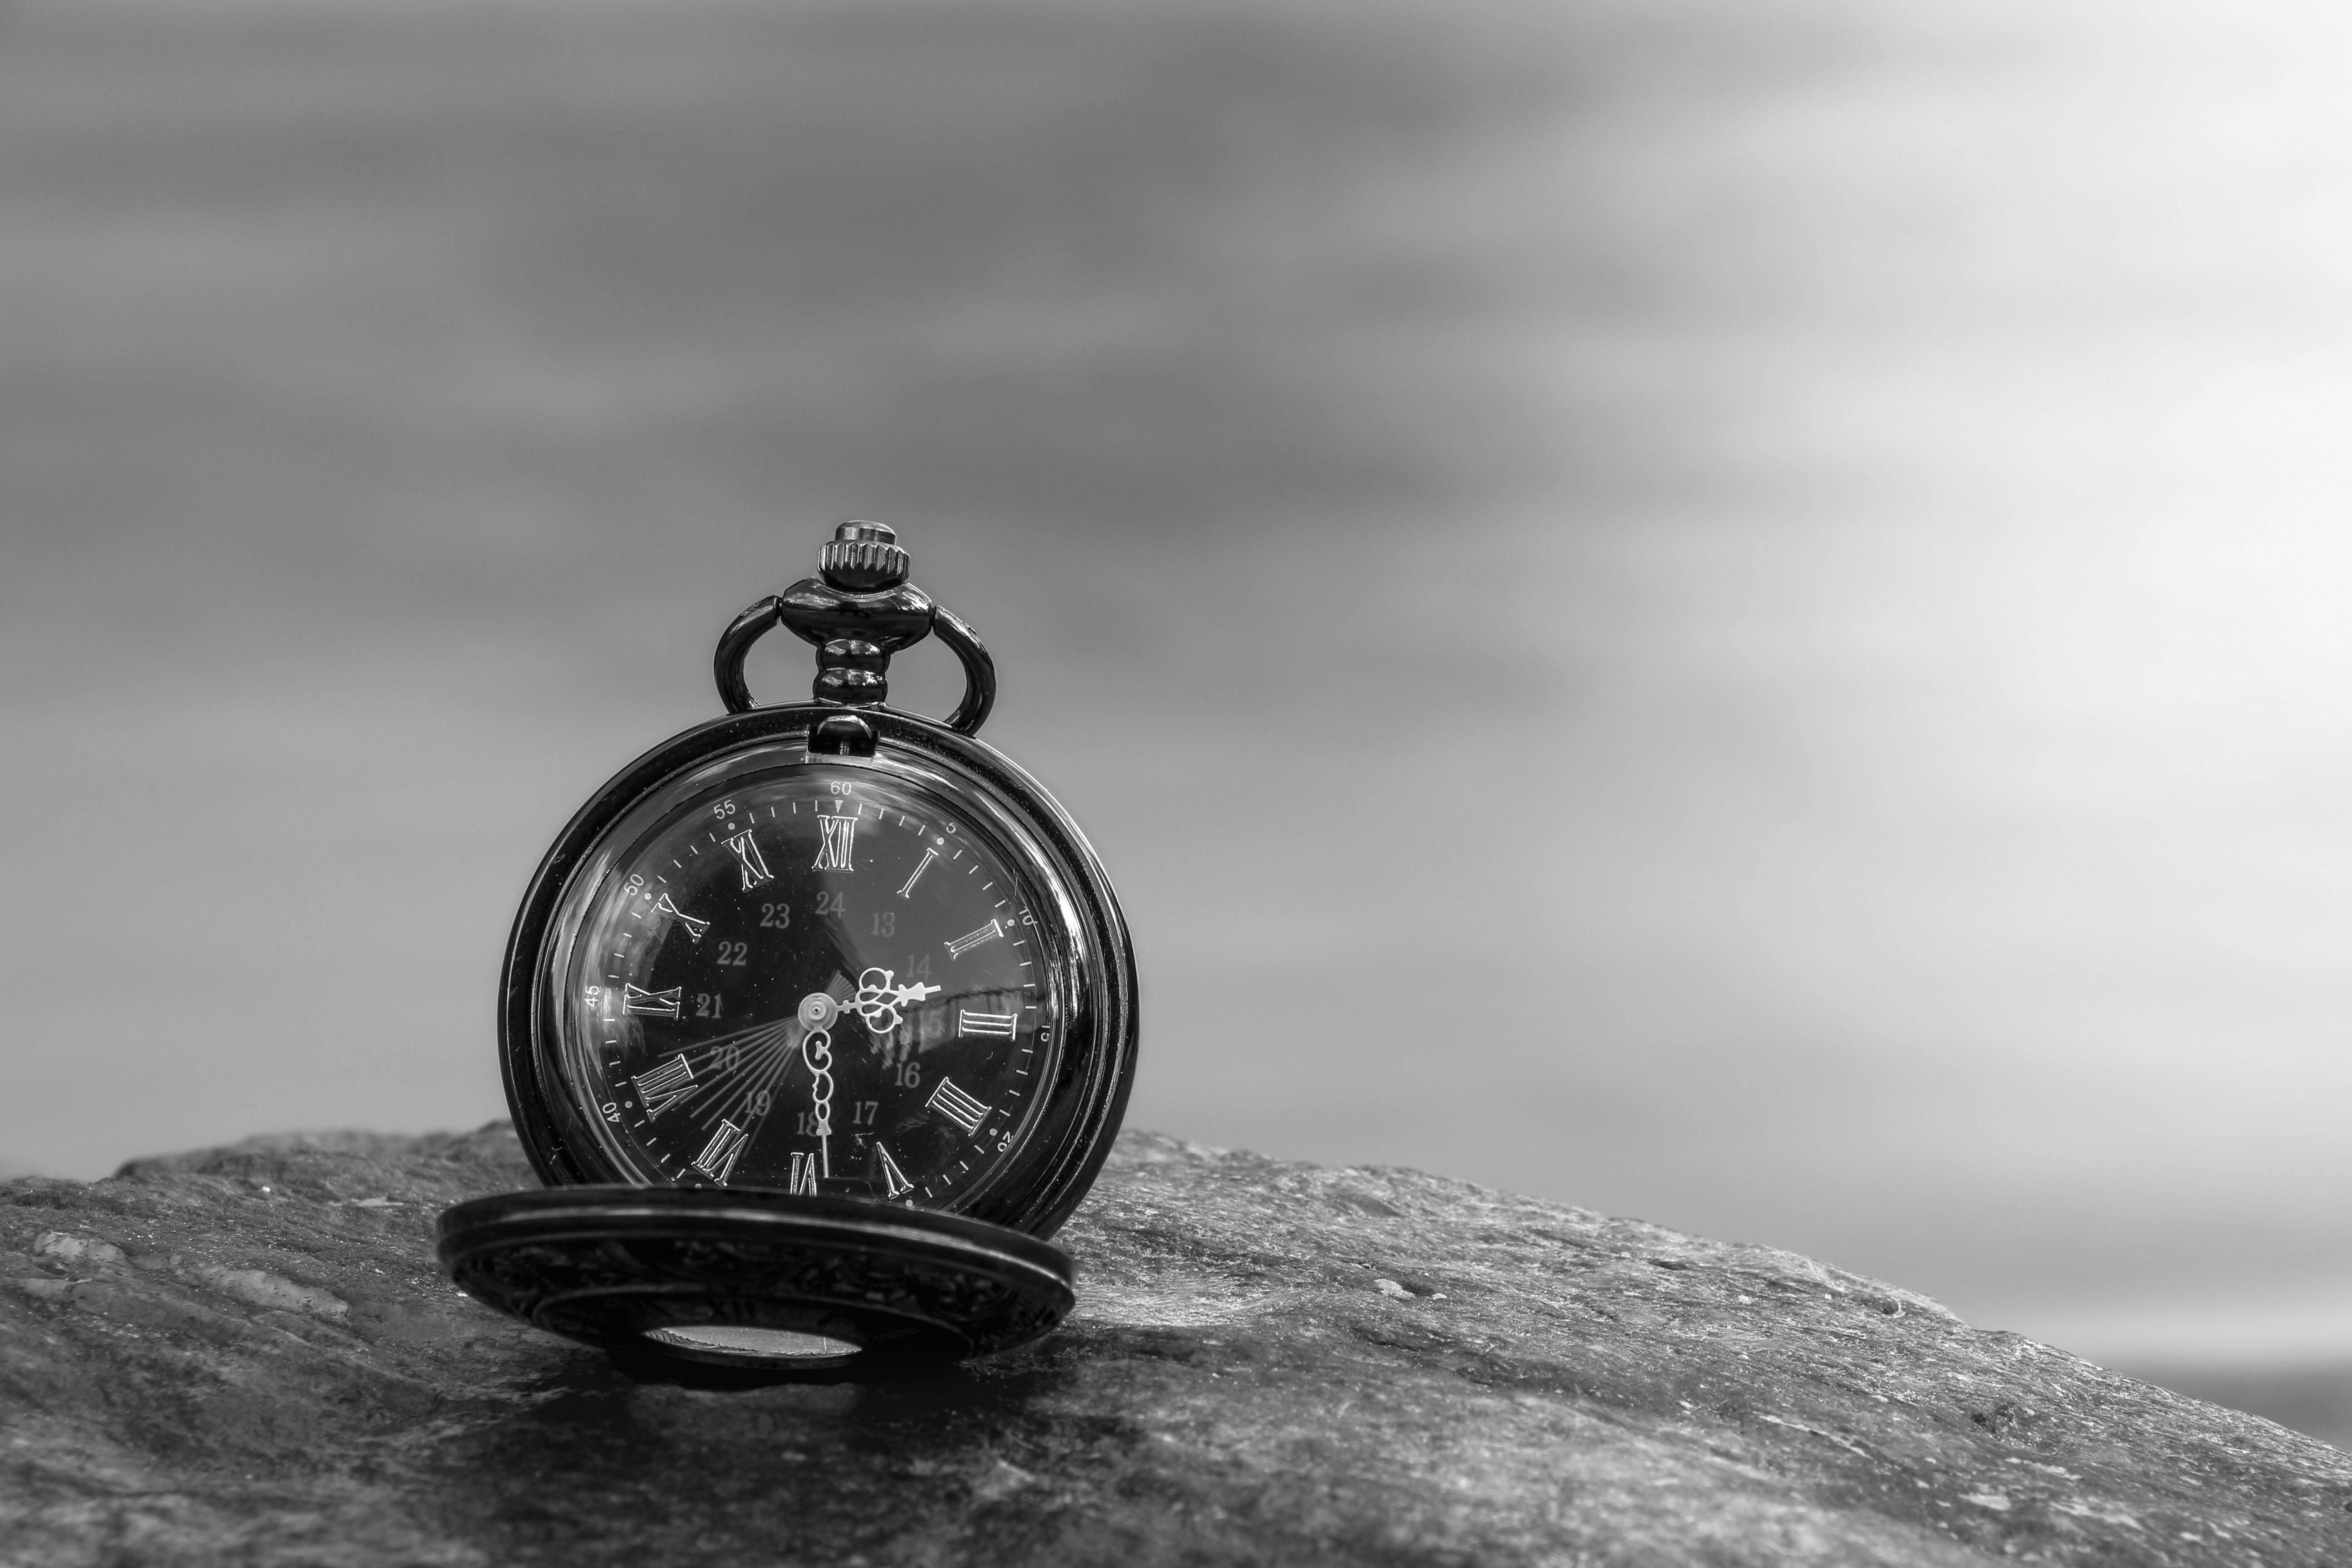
880 997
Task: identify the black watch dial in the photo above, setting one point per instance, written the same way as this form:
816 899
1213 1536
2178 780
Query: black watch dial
822 978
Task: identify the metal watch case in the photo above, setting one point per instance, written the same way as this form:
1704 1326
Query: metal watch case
1070 1134
614 1257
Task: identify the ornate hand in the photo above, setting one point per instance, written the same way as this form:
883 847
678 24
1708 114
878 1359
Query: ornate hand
816 1015
880 997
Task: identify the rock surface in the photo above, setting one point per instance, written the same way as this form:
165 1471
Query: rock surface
248 1355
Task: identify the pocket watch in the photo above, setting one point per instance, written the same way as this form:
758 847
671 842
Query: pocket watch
817 1020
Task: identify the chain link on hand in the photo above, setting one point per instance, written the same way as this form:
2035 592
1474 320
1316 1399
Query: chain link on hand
817 1012
816 1051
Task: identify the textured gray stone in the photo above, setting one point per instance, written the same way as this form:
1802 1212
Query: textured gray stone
248 1355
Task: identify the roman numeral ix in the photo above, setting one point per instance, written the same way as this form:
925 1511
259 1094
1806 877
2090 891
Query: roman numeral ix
636 998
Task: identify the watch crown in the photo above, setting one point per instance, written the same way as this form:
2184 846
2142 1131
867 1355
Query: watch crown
863 558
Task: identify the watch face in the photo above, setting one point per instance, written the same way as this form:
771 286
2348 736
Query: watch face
824 975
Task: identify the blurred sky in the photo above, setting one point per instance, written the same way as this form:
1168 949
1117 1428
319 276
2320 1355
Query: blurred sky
1731 612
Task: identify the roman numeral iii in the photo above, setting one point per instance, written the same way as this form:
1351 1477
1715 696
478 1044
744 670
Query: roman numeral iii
998 1023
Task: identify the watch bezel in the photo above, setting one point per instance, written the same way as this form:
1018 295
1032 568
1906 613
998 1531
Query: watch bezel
1064 1143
